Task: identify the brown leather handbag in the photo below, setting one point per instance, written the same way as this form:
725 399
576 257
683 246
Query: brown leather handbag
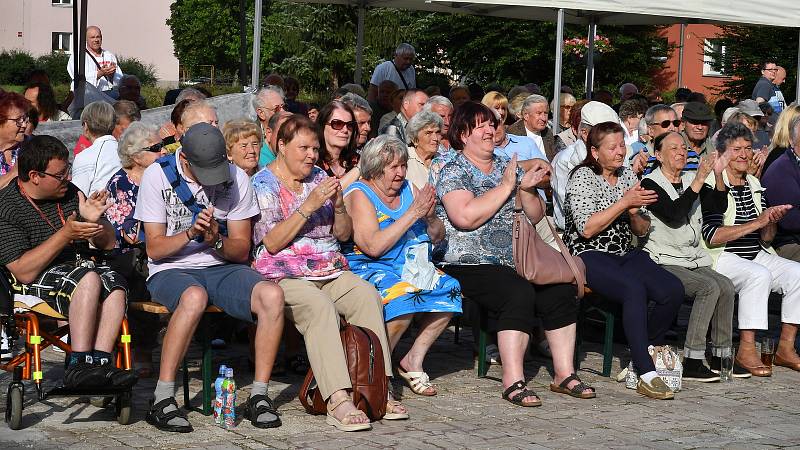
537 261
364 356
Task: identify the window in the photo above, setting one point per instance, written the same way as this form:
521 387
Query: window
61 2
62 42
714 58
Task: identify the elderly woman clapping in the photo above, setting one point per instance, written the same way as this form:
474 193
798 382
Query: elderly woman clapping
139 147
477 189
424 132
674 243
739 243
393 227
303 218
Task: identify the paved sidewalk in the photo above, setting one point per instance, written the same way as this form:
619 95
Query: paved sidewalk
468 413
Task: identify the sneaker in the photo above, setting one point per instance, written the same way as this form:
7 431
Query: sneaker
64 339
656 389
695 370
492 354
85 375
5 346
738 371
120 377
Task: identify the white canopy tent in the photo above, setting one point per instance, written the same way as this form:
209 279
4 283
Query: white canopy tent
588 12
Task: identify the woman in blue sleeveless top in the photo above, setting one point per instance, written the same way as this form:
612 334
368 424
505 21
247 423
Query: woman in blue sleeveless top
393 228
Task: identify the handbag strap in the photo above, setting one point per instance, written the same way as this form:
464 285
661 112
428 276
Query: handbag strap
580 279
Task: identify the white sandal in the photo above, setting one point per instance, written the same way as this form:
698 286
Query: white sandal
419 382
340 425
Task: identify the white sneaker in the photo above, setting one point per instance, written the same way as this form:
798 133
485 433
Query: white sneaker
64 339
492 354
5 347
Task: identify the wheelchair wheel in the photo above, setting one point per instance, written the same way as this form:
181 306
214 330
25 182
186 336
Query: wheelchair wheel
14 405
123 408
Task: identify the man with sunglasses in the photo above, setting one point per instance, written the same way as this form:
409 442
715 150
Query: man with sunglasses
45 222
764 88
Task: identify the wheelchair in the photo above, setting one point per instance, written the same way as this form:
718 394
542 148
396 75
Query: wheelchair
19 315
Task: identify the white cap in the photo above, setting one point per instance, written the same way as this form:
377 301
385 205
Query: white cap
594 112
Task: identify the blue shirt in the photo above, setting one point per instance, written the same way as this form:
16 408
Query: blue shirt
523 146
265 156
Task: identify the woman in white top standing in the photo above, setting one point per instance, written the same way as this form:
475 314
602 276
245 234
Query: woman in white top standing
95 165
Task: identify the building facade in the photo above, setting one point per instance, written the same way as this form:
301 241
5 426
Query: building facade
131 29
700 72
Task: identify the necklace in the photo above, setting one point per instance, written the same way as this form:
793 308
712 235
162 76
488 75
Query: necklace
41 213
287 182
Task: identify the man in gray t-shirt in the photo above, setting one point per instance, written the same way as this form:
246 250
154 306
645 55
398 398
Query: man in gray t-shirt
764 89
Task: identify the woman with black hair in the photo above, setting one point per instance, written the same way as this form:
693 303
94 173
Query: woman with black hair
338 140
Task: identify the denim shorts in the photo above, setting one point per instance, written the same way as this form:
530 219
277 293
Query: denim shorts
229 287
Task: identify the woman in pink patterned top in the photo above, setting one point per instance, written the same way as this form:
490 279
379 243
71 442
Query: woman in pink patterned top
303 218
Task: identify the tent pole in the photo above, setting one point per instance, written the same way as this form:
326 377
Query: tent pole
557 80
242 43
680 55
79 52
360 42
797 89
254 81
590 58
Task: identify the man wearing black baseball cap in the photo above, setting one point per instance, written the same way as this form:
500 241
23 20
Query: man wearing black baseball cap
197 210
697 118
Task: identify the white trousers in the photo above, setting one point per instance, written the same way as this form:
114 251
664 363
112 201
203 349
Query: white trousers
755 279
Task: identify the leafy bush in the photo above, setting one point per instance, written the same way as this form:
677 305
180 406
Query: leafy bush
15 66
146 73
55 64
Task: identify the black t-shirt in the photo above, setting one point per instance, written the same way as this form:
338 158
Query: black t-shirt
23 228
764 89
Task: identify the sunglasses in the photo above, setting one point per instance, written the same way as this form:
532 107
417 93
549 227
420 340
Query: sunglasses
155 148
337 124
665 123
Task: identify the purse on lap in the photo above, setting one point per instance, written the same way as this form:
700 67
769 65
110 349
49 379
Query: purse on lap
537 261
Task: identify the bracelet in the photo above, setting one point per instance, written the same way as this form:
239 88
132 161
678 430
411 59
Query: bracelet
188 236
302 214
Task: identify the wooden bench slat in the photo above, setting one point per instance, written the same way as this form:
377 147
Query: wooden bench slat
157 308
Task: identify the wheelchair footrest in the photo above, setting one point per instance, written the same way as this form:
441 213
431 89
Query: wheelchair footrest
63 391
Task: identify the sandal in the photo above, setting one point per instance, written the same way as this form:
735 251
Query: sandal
298 364
419 382
252 412
159 419
576 391
524 392
341 425
390 415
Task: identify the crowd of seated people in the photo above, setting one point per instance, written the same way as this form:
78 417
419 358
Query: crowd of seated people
303 214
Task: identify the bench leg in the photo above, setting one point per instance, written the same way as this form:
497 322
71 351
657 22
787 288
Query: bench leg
483 336
457 334
208 354
608 344
186 402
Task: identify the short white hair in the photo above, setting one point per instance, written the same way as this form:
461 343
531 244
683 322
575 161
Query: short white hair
190 93
564 97
420 121
437 100
405 49
133 141
192 109
259 96
380 152
356 101
531 100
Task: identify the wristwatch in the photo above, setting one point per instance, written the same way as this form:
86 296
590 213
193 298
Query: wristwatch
218 244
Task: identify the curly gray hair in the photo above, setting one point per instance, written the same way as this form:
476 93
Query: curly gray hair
730 132
419 122
379 153
134 140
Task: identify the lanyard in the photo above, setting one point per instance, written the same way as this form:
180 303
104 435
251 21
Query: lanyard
58 207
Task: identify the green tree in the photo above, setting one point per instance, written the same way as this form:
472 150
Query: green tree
745 50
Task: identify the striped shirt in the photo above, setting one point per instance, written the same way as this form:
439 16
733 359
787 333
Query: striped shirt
692 162
748 245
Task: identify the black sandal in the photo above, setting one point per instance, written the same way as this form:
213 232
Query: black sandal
252 412
576 391
298 364
524 392
159 419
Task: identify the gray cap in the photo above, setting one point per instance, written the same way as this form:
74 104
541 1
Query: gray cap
204 148
750 107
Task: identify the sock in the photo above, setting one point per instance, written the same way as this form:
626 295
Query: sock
649 376
164 390
101 358
80 357
260 388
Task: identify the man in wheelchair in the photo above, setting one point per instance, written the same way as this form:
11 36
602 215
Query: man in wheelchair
44 219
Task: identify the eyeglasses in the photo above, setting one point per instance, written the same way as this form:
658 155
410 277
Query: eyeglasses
276 108
771 70
665 123
155 148
20 121
337 124
61 177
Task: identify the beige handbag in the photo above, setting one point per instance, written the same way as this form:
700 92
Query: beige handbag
537 261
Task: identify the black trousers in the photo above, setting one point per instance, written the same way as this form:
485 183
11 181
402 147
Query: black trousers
512 301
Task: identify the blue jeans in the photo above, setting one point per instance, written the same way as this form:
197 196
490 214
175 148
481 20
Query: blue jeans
634 280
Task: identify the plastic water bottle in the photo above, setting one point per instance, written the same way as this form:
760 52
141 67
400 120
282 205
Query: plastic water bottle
228 400
218 396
